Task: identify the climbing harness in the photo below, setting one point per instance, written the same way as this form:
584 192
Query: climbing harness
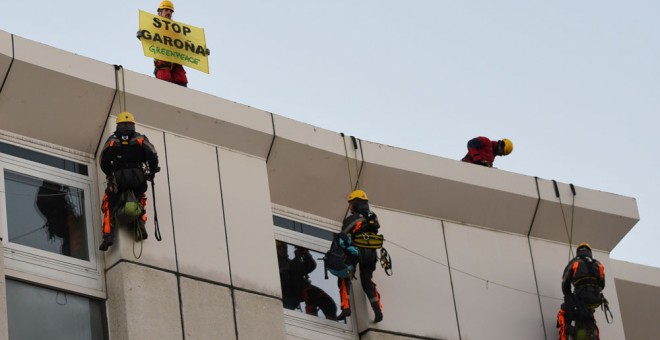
369 240
375 241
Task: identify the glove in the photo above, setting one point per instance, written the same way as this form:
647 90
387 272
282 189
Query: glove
155 170
208 51
139 34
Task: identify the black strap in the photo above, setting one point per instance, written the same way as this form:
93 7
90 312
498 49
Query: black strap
605 307
156 228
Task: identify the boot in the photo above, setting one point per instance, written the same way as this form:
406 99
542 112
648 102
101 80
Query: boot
344 314
378 314
140 231
108 240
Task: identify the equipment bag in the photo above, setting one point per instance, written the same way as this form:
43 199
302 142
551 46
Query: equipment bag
128 209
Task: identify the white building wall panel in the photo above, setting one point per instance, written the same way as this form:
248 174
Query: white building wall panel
249 219
550 258
159 254
493 284
199 229
420 284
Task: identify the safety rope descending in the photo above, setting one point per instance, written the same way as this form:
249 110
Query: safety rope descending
122 91
569 234
156 227
348 164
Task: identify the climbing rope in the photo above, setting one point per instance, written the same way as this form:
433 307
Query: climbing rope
569 234
122 91
348 164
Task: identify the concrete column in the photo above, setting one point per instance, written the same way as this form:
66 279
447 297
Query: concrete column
142 303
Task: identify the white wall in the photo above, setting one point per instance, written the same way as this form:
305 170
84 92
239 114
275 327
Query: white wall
249 220
496 299
199 229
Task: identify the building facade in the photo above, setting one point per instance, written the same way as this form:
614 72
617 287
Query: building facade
477 253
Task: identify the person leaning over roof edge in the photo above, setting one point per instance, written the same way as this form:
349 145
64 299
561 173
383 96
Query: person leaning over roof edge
482 150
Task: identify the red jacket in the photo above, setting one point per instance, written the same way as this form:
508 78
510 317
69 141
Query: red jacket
481 150
172 72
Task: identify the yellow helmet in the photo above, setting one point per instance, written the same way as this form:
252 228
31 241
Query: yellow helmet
358 194
584 245
166 4
508 146
125 117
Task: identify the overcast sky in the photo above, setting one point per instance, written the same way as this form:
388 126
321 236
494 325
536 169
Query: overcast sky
574 84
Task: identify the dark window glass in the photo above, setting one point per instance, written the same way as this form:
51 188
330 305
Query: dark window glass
304 287
302 228
46 215
43 158
35 312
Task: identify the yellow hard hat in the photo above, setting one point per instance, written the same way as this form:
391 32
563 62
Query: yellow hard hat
508 146
583 245
358 194
125 117
166 4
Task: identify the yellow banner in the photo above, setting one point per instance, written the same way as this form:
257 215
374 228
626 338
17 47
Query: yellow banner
173 41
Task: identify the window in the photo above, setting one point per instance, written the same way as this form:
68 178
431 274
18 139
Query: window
35 312
311 302
46 216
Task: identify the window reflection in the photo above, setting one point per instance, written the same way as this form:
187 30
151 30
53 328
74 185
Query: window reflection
35 312
304 287
46 215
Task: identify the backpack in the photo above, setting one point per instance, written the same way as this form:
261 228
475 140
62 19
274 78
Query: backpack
585 279
129 178
339 261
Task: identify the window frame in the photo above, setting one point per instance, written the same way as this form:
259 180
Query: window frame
42 266
301 324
